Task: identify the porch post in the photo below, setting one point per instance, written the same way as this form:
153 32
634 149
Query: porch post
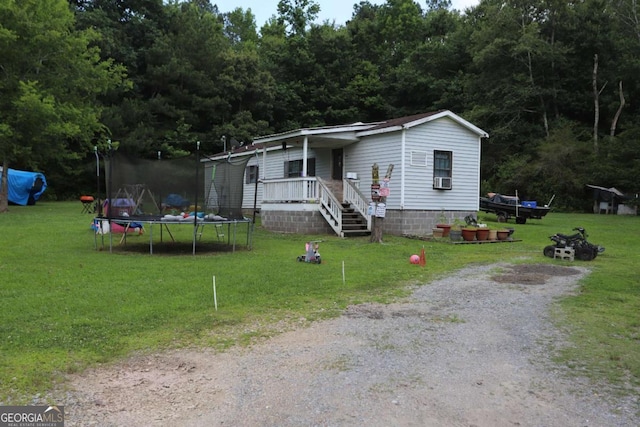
305 146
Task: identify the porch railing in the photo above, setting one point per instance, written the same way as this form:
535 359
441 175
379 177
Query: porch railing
356 198
290 190
331 208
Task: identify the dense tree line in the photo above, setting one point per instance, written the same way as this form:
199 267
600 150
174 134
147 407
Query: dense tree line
553 82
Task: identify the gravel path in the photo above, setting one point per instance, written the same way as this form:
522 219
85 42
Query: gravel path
472 349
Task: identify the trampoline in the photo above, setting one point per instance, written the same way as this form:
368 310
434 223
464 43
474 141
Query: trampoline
205 232
166 195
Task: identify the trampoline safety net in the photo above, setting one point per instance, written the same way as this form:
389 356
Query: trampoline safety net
226 186
152 188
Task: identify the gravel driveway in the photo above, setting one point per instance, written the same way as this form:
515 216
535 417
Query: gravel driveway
472 349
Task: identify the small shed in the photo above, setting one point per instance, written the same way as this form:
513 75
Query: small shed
610 201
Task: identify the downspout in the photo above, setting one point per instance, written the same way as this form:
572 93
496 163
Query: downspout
264 162
255 191
305 147
402 166
479 166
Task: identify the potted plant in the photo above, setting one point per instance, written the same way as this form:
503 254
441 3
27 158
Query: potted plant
482 233
469 233
455 233
503 234
443 224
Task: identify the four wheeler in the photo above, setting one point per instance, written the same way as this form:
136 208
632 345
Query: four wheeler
584 250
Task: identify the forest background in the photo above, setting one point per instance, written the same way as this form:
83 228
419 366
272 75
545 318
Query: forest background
553 82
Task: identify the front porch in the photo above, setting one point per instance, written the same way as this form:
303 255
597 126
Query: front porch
314 205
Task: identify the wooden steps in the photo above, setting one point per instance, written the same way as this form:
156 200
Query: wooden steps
353 224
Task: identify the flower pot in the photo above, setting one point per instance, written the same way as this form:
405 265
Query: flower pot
437 233
445 229
455 235
503 234
493 235
482 234
469 234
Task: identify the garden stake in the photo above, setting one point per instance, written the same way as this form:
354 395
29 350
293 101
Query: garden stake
215 299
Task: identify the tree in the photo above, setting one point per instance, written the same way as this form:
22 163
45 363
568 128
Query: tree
297 15
49 80
240 28
432 75
197 74
514 84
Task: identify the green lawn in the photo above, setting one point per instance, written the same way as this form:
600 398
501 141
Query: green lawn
65 305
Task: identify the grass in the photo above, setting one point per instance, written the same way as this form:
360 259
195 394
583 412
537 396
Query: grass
65 306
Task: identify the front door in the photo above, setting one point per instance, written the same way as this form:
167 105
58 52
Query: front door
336 164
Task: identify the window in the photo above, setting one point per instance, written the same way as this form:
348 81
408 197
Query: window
293 168
442 163
442 170
251 174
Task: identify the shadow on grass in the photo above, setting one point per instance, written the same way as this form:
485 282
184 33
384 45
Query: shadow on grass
174 248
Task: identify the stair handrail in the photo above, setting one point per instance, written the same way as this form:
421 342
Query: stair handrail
332 211
357 199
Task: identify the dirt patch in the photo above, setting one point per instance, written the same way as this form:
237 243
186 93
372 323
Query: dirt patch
533 274
467 350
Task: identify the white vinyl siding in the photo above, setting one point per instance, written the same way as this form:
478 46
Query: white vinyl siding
420 143
443 135
383 149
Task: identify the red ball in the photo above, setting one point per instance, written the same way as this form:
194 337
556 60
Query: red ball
414 259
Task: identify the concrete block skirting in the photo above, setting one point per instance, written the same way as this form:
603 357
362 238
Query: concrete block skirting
419 223
296 222
396 222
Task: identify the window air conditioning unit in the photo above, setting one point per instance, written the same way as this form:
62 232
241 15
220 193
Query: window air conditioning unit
442 183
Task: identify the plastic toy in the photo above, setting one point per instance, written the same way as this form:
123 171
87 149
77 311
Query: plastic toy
311 255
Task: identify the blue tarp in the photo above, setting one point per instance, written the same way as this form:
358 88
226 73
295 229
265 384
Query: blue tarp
25 187
176 201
